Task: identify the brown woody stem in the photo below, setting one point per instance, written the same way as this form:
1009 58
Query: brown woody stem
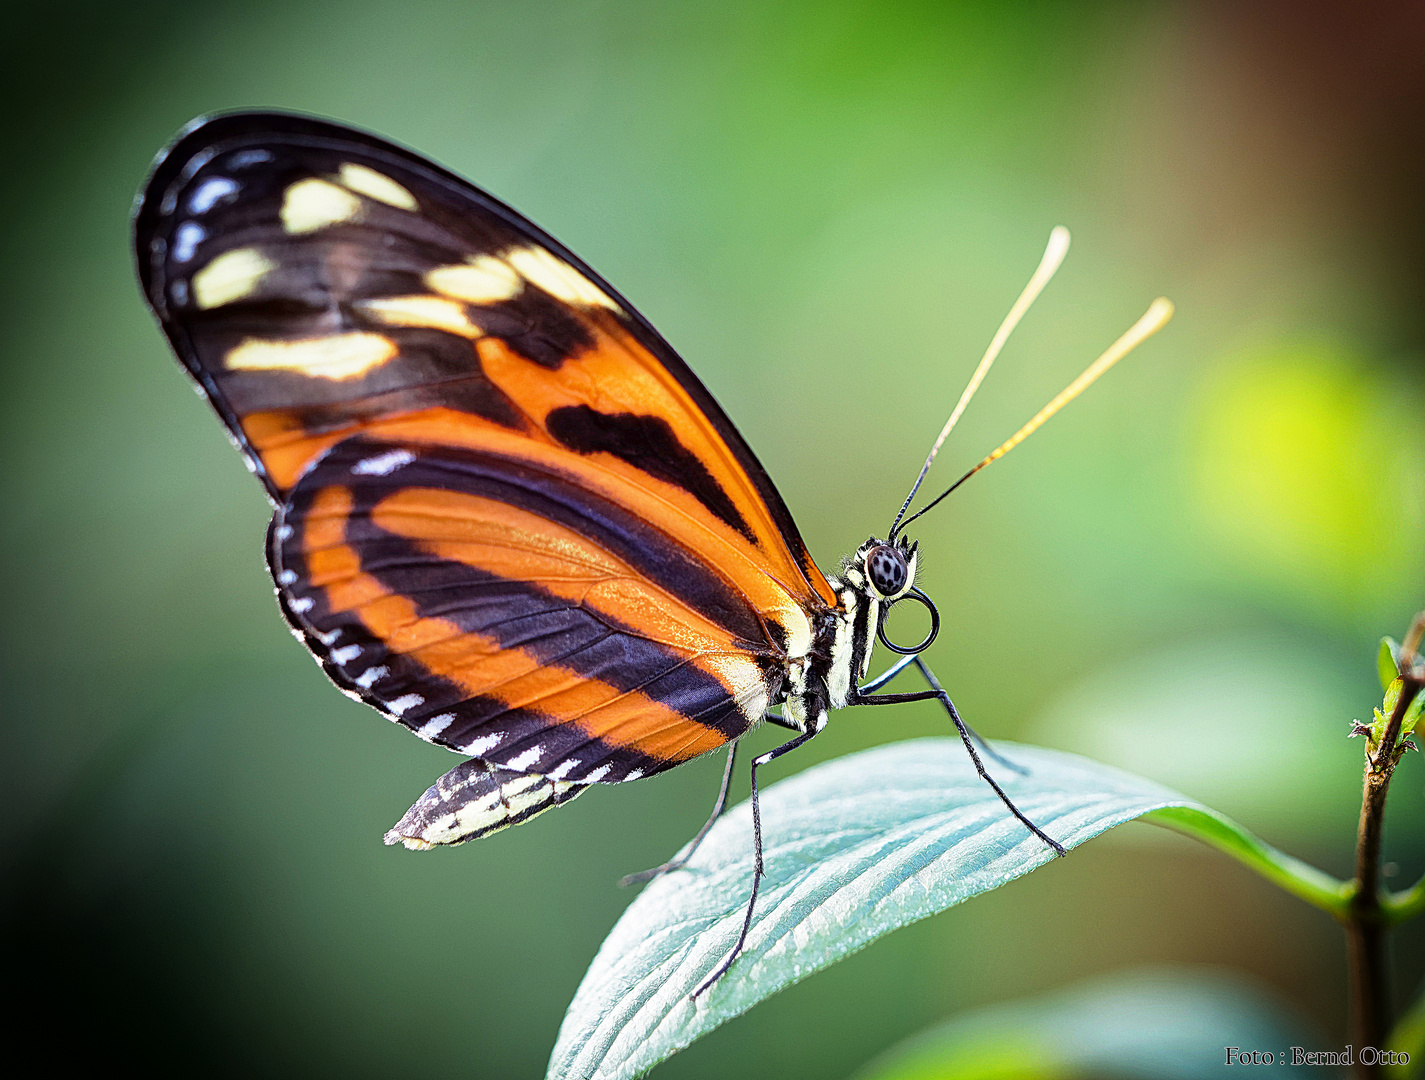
1365 926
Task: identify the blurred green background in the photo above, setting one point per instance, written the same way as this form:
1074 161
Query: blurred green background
827 208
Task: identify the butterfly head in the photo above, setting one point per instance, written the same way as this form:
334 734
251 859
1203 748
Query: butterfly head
883 571
887 567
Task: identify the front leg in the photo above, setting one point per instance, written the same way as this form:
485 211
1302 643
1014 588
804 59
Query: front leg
906 661
937 693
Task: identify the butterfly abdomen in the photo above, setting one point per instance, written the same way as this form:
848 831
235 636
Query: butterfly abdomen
475 799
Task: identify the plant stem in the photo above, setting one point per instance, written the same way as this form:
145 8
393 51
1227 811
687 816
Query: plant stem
1364 932
1365 921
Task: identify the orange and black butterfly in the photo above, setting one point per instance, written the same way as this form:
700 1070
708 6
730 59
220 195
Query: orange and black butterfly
508 515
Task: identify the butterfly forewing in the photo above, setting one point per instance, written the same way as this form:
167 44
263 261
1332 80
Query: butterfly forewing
508 514
317 281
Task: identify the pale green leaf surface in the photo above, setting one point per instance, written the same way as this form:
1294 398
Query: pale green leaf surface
855 848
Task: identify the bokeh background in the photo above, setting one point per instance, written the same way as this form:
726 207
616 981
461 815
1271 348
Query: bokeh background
826 207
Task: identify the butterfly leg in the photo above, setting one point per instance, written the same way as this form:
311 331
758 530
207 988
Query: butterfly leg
890 673
718 807
905 662
984 746
938 694
757 868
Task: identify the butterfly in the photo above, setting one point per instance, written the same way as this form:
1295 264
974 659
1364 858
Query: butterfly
508 516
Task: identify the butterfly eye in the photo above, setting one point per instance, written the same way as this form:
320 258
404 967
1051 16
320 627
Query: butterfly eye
887 570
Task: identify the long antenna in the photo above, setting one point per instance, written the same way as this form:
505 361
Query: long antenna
1053 256
1153 320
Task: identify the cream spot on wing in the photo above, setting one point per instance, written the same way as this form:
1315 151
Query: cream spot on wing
478 746
405 703
435 725
211 192
312 204
483 280
434 312
798 627
736 672
231 276
339 356
376 186
383 464
371 676
526 759
186 240
557 277
744 679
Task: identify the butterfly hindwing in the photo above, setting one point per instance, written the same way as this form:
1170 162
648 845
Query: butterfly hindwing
509 516
501 610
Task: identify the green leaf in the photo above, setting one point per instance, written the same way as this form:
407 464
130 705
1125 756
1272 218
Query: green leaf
1383 714
1412 714
1139 1025
1387 662
1392 695
855 848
